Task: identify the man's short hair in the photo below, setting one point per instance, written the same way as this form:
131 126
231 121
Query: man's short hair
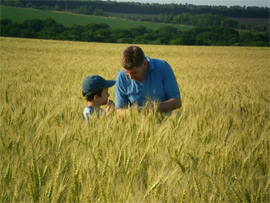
132 56
91 96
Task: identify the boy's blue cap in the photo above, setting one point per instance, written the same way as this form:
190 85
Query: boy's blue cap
93 83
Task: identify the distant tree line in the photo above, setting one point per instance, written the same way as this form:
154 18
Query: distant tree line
202 20
89 10
143 8
199 20
168 35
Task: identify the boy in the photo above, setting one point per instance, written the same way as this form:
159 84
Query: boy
95 90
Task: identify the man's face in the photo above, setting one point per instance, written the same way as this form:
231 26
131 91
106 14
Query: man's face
137 73
134 73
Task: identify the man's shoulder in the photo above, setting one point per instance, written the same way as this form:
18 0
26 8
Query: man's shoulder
160 62
121 73
122 77
157 64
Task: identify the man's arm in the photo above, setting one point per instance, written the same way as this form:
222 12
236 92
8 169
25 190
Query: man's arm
122 111
120 94
169 105
165 106
172 91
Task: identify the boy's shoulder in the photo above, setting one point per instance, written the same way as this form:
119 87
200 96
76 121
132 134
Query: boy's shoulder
88 112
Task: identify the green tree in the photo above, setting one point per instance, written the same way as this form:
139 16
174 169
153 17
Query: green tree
138 31
56 7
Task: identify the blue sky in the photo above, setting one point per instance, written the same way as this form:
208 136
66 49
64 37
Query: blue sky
259 3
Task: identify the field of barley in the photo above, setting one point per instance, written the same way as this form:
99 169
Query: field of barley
216 148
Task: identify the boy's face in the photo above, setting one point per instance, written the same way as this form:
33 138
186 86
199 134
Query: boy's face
104 96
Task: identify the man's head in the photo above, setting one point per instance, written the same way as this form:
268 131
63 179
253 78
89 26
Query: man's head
134 62
132 56
95 85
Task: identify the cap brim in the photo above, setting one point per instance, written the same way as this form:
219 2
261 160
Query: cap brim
109 83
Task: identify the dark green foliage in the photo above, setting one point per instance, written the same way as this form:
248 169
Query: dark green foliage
168 35
200 20
184 14
144 8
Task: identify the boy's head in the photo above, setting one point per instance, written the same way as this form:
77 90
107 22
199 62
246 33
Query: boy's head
95 85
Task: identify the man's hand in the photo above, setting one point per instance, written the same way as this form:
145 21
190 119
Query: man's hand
147 108
165 106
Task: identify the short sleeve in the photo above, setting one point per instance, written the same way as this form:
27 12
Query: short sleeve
120 91
170 83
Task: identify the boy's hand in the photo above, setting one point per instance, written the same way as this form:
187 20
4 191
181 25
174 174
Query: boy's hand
111 103
110 106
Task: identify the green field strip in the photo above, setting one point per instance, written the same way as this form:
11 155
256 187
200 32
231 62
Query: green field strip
67 19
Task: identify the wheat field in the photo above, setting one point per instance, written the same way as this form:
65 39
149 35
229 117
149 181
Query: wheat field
214 149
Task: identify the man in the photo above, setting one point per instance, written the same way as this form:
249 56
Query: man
145 80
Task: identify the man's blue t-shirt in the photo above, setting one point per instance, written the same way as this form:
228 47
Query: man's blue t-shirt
160 85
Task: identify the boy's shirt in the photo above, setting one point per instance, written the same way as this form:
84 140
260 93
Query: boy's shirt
88 112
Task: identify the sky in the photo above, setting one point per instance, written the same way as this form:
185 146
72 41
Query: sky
259 3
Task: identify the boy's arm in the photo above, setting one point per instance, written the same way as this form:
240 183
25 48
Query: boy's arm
110 107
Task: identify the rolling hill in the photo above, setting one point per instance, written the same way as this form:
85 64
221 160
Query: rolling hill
69 19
